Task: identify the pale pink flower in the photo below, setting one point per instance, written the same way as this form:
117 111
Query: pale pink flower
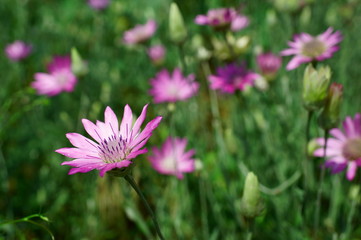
307 48
222 18
269 63
172 88
98 4
60 78
140 33
17 50
156 53
232 77
172 159
344 148
114 146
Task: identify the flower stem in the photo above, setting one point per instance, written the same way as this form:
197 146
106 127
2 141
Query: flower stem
319 192
351 213
306 163
131 181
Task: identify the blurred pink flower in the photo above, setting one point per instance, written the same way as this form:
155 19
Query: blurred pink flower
269 63
98 4
223 18
114 147
232 77
156 53
172 88
140 33
17 50
171 158
307 48
344 149
60 77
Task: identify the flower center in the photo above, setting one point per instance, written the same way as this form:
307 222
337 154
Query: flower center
313 48
112 149
352 149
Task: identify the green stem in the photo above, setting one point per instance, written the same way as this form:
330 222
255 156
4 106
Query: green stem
182 58
319 192
131 181
349 219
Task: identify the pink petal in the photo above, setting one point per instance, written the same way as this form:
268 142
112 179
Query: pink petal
76 153
82 142
127 122
201 20
351 170
296 61
111 119
140 120
91 129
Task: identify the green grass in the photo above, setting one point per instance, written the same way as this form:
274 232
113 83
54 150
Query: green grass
263 132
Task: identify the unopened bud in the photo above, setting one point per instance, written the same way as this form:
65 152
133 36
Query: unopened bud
315 85
251 205
330 115
177 29
78 65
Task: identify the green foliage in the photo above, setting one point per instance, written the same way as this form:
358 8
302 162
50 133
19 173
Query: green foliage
256 131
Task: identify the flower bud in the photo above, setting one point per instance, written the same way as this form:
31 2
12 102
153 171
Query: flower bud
177 29
315 85
78 65
330 115
251 204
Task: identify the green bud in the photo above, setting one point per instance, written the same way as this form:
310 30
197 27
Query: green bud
315 85
251 204
78 65
312 146
177 29
330 115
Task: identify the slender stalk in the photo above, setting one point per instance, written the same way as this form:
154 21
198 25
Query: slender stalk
319 192
182 58
305 165
351 213
131 181
249 234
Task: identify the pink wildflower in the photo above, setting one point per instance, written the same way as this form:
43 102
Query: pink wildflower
114 147
269 63
17 50
232 77
171 158
221 18
344 149
307 48
60 78
98 4
172 88
140 33
156 54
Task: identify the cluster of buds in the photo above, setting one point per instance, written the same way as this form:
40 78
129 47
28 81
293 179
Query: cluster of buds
319 94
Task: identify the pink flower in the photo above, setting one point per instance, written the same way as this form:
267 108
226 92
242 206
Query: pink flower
60 78
156 53
98 4
17 50
172 88
171 158
140 33
344 149
221 18
114 146
307 48
269 63
232 77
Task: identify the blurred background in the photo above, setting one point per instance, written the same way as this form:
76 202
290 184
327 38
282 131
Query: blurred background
262 129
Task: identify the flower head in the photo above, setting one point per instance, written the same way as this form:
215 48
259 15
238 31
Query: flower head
60 78
223 18
98 4
172 88
232 77
17 50
171 158
114 146
269 63
156 54
307 48
344 148
140 33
